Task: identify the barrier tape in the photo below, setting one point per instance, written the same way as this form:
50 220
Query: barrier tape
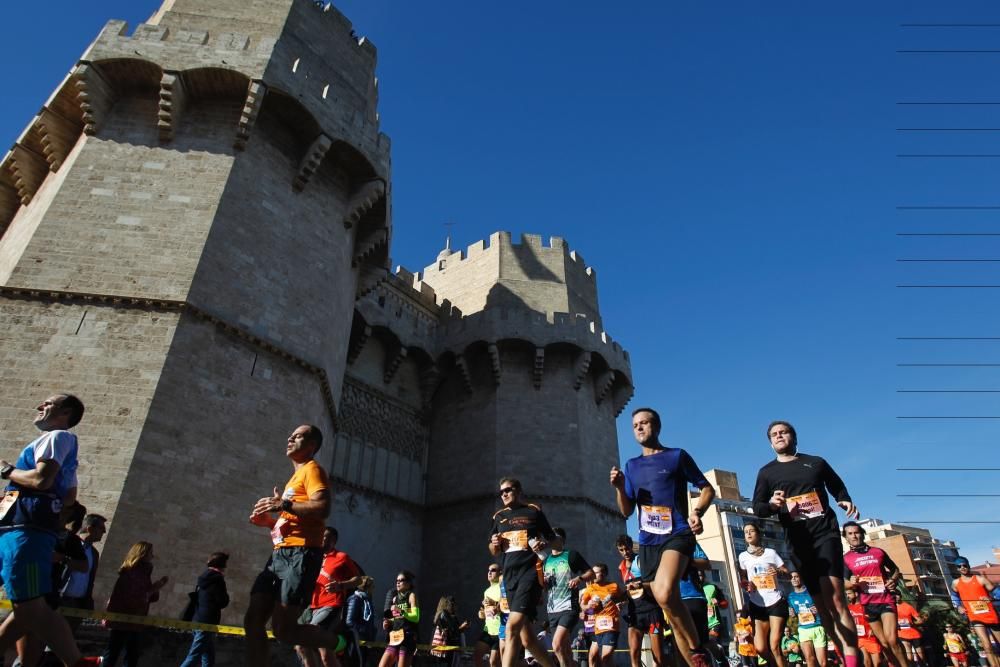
190 626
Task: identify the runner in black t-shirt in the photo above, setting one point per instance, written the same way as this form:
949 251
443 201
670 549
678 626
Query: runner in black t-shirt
796 487
519 531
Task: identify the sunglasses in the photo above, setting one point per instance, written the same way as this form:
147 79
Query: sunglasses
507 489
402 581
493 569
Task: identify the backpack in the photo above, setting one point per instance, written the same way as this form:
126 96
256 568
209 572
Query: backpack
191 606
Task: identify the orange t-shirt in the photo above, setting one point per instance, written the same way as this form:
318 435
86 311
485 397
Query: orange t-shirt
606 615
906 617
976 600
296 531
744 637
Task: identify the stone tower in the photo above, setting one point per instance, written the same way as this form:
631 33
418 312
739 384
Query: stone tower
531 388
186 226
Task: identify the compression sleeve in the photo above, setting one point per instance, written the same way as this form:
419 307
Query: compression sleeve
412 614
889 564
762 496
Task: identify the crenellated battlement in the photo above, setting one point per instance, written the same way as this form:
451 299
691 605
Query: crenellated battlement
533 243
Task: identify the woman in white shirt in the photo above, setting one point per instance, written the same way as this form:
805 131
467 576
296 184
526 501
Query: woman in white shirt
759 569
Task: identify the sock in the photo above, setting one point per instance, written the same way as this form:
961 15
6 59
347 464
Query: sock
851 660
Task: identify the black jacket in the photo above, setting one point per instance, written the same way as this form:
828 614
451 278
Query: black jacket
212 597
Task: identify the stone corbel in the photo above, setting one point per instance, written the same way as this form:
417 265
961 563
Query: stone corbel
580 369
251 107
495 362
604 384
430 380
57 136
357 344
463 370
365 247
29 170
539 367
311 161
172 100
9 203
95 95
362 201
392 364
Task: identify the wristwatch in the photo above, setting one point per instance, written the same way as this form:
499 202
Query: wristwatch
6 471
286 505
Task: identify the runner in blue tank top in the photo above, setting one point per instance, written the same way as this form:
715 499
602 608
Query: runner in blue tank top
656 484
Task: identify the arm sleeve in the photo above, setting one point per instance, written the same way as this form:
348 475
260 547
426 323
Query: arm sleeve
691 471
412 614
762 495
55 446
316 480
577 563
629 488
834 484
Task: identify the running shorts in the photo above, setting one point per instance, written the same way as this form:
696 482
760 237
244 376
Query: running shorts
524 591
290 575
777 610
26 563
819 560
607 639
564 619
873 612
815 635
649 555
698 608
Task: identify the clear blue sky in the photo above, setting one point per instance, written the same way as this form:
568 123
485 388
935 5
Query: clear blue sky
730 170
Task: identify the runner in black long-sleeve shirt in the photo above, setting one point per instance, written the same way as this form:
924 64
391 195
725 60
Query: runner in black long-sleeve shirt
796 487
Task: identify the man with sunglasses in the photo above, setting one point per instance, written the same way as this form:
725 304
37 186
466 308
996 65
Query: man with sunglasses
489 612
519 531
974 593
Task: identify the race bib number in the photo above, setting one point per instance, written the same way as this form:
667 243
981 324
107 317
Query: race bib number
7 504
396 637
873 585
655 519
980 607
489 613
804 506
604 623
765 582
806 617
280 530
861 629
504 606
517 540
904 624
953 646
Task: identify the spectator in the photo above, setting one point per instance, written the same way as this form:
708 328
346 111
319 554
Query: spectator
212 598
78 591
360 617
133 592
447 629
581 647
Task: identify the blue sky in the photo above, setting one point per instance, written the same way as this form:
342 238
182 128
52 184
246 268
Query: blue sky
730 169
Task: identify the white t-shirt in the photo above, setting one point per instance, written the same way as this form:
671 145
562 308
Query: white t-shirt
768 590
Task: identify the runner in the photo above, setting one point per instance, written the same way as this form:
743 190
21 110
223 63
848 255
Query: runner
519 530
338 577
875 577
656 482
489 612
812 635
642 615
795 487
744 639
285 586
871 650
692 594
759 570
791 648
603 598
717 635
41 481
401 622
974 592
563 572
955 646
908 618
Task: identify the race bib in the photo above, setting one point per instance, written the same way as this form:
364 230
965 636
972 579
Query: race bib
635 591
489 613
517 540
280 530
953 646
873 585
806 617
396 637
655 519
980 607
861 629
804 506
904 624
764 582
604 623
504 606
7 504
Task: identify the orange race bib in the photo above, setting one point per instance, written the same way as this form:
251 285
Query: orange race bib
7 503
804 506
504 606
806 617
655 519
604 623
396 637
873 585
517 540
765 582
980 607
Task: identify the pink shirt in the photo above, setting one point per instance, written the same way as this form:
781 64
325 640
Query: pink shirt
867 567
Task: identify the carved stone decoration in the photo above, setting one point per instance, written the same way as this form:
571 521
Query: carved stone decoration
9 203
369 244
539 367
96 97
463 370
310 163
580 369
57 136
381 421
172 98
604 384
392 364
430 380
29 170
495 362
251 107
362 201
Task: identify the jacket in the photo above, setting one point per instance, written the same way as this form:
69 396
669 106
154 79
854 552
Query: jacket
132 594
213 597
